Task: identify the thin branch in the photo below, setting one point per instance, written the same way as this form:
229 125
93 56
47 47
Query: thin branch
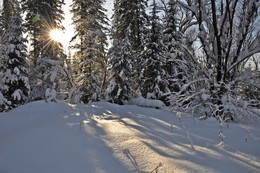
243 58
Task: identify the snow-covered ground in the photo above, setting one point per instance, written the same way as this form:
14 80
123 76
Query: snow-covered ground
101 137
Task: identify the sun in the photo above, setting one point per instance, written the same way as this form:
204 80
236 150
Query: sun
57 35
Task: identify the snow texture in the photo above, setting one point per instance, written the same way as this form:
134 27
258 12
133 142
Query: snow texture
102 137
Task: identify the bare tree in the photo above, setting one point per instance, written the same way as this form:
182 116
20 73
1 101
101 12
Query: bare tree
229 37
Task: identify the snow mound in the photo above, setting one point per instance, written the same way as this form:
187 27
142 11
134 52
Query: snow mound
151 103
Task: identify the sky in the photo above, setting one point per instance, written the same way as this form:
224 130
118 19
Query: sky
69 30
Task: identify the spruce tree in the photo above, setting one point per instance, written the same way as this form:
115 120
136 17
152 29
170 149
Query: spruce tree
127 34
46 56
120 90
133 18
4 103
91 26
172 39
154 82
14 70
178 47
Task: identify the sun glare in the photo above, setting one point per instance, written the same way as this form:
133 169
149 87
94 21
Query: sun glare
57 35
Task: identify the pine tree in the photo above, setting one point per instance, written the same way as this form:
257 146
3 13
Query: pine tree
46 56
173 40
133 18
4 103
14 70
127 34
178 38
154 77
130 16
91 26
120 90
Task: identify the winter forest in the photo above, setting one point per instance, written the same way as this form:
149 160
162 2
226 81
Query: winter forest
141 86
199 56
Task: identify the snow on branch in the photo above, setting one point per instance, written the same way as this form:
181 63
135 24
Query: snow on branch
190 7
185 86
244 57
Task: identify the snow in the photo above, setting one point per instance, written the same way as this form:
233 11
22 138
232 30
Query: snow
151 103
16 71
50 94
107 138
53 74
10 48
17 94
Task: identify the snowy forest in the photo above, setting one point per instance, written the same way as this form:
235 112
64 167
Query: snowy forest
199 56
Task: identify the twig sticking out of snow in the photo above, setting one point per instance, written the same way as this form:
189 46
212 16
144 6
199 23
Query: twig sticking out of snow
249 133
178 114
132 159
156 169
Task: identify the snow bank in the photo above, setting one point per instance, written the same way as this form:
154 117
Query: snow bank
101 137
140 101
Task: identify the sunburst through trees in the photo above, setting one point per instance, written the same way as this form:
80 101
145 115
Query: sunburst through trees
46 55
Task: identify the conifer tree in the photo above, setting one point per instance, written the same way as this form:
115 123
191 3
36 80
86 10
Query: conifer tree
173 41
91 26
120 90
127 34
170 31
4 103
46 56
8 12
14 70
133 18
178 40
154 82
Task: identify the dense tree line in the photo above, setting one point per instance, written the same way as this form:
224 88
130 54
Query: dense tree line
193 55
